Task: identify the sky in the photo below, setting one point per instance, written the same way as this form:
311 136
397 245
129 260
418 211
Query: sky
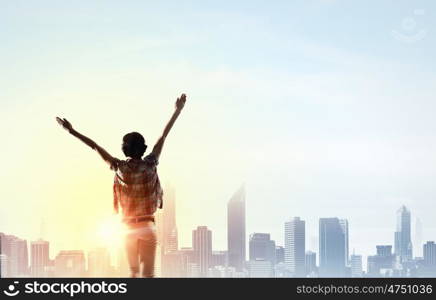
321 108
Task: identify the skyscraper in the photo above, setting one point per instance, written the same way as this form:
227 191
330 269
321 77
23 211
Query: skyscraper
3 266
403 242
167 256
5 249
428 264
39 257
261 247
19 258
295 246
236 230
332 248
429 250
356 265
16 261
344 225
170 237
202 244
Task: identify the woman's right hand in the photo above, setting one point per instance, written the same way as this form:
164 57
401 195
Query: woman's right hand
65 124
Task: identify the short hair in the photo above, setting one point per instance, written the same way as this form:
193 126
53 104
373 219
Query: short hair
134 145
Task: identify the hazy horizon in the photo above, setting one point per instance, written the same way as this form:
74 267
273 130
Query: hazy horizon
322 108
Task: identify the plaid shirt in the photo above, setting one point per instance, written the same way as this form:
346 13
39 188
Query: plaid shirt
137 187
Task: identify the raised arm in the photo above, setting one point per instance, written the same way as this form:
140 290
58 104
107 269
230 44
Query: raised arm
103 153
180 103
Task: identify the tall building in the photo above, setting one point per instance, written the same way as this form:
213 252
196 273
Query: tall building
310 262
403 242
356 265
70 263
344 225
236 230
16 260
261 247
167 257
5 249
3 266
170 237
39 255
295 246
99 263
332 247
19 258
202 244
429 251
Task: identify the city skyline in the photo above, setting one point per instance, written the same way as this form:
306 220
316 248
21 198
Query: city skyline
315 104
332 259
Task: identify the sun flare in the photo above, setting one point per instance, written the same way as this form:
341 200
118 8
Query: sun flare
110 232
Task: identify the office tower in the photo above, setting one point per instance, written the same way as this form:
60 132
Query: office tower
310 263
19 258
429 250
295 246
236 230
344 226
166 254
39 254
261 247
99 263
280 254
260 268
170 237
356 265
219 258
5 249
202 244
382 262
403 242
70 263
331 248
4 266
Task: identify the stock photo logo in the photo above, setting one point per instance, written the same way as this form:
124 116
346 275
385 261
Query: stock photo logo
410 32
12 290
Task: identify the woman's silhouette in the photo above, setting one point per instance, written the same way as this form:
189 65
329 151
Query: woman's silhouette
137 191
